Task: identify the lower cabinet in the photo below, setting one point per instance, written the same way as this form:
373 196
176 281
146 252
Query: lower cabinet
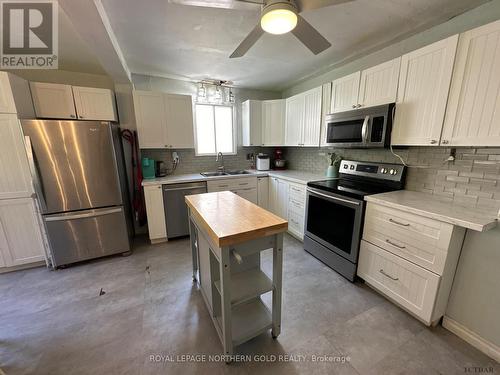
153 196
411 259
21 239
288 200
263 192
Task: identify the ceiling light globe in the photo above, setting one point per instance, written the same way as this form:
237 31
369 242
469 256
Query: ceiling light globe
278 21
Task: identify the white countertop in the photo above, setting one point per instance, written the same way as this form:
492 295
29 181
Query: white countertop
299 177
435 207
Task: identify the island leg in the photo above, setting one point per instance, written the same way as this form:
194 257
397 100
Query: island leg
193 238
277 280
225 285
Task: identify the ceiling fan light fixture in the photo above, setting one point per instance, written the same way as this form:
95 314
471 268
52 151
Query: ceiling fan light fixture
279 18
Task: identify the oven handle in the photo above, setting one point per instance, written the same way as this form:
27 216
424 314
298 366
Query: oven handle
364 129
330 197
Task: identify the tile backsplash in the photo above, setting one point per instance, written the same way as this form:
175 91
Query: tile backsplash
473 179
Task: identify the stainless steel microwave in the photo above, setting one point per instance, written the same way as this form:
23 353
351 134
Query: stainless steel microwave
360 128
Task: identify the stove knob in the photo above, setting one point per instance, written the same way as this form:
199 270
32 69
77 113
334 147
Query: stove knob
393 172
352 167
345 166
383 170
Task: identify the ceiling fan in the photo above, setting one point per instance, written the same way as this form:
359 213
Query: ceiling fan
277 17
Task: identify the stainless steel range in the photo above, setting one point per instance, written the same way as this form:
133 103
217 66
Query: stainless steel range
335 211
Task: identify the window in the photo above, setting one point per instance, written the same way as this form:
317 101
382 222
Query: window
214 129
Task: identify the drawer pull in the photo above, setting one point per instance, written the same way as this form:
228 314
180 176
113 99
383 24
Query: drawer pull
395 244
389 276
243 183
223 186
297 190
399 223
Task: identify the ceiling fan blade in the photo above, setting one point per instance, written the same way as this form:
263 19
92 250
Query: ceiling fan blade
221 4
303 5
309 36
248 42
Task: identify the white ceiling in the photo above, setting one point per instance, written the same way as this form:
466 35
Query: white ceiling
74 54
158 38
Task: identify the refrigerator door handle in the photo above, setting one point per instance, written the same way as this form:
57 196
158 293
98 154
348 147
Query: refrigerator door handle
37 184
94 213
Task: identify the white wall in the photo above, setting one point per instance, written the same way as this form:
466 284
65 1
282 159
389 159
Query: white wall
475 297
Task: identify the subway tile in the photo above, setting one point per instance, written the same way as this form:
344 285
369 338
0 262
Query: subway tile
489 150
471 174
457 179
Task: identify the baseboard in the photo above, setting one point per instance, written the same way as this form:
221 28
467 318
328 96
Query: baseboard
22 267
488 348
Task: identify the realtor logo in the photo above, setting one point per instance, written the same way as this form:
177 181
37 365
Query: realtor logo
29 35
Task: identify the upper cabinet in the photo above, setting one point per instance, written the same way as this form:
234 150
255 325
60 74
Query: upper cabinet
164 120
57 101
273 122
94 104
374 86
303 118
7 104
379 84
345 92
473 112
424 83
251 122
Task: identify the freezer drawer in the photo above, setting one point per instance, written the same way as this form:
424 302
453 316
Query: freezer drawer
87 234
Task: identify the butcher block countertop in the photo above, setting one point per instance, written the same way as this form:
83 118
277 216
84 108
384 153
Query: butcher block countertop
230 219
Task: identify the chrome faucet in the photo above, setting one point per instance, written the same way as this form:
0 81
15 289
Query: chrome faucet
220 159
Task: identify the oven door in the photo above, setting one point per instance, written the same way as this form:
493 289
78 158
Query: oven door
335 222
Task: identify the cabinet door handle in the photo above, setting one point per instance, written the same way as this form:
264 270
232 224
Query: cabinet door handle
354 106
395 244
358 106
433 141
243 183
399 223
72 116
445 142
80 116
389 276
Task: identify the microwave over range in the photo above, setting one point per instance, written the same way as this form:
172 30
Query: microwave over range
360 128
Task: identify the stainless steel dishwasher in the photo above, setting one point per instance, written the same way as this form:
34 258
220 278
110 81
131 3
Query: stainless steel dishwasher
176 214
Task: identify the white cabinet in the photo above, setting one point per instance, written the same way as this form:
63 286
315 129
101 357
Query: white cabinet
7 104
20 235
263 192
153 196
273 122
424 83
410 258
251 122
163 120
312 117
303 118
473 112
94 103
379 84
52 100
345 92
296 210
179 118
15 180
325 109
250 194
278 197
150 119
373 86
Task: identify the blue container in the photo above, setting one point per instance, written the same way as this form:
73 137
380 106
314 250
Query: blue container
148 168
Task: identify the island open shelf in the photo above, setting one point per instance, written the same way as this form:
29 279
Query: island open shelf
228 234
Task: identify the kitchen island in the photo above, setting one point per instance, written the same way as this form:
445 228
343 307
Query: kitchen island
228 234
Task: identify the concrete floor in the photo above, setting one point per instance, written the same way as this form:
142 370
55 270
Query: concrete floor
56 322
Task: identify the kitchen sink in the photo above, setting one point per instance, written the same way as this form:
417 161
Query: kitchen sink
213 174
237 172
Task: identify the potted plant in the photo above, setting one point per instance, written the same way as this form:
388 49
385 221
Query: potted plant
333 168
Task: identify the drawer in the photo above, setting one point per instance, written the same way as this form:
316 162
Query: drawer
296 205
297 193
296 223
418 239
412 286
231 184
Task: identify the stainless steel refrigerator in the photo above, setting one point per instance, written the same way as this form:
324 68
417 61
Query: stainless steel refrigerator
78 173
